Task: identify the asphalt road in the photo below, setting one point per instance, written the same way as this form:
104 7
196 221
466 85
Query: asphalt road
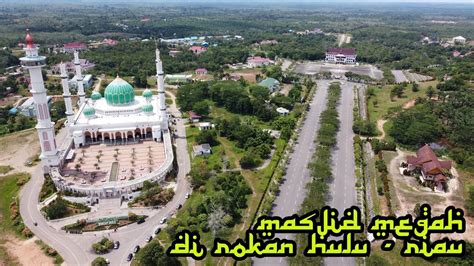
292 190
343 193
76 249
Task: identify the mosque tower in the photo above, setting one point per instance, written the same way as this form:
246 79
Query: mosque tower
66 94
79 78
161 91
34 63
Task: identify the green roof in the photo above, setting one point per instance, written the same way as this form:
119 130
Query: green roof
119 92
147 108
268 82
147 93
96 96
89 111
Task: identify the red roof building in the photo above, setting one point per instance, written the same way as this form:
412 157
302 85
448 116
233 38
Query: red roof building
257 61
109 42
73 46
431 168
341 55
197 49
193 117
201 71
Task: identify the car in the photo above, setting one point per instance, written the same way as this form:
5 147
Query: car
136 249
116 244
35 223
107 261
158 230
149 239
179 206
129 257
187 195
140 221
163 220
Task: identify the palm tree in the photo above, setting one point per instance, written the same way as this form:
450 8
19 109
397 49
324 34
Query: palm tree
117 150
98 158
96 166
77 166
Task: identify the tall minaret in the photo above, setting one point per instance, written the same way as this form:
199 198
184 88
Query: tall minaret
161 90
66 94
80 83
33 63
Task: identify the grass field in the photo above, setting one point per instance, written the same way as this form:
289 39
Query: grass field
5 169
384 102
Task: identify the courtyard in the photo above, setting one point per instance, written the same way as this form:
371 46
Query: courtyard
101 163
311 68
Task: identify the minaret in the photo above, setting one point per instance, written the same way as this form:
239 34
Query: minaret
80 83
66 94
33 63
161 91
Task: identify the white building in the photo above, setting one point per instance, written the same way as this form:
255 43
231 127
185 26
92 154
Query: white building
282 111
117 118
28 107
341 55
459 40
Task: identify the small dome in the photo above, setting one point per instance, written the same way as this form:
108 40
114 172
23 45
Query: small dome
89 111
147 93
147 108
96 96
119 92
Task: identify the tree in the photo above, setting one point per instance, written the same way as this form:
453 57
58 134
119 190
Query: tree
216 220
99 261
415 87
250 159
470 202
430 92
207 136
202 108
259 92
154 254
57 209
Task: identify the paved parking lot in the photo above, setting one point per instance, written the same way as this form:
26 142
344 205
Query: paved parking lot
311 68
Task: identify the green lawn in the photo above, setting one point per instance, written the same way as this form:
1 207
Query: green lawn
9 187
5 169
384 103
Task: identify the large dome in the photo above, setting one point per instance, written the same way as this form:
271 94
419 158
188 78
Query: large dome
119 92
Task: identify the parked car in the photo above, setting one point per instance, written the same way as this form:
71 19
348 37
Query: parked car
163 220
140 221
116 244
136 249
187 195
130 256
158 230
149 239
179 206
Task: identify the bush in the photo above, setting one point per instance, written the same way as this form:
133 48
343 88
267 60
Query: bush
99 261
103 246
250 160
207 136
57 209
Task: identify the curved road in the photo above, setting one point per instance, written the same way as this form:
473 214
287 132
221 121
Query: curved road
76 249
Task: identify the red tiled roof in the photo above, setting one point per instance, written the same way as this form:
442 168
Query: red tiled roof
258 59
74 45
344 51
439 178
193 115
446 164
427 160
412 160
198 48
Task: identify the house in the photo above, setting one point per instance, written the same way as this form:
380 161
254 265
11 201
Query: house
87 81
174 53
270 83
178 78
257 61
456 53
282 111
432 170
268 42
71 68
197 49
341 55
203 149
109 42
205 126
459 40
193 117
28 107
201 71
71 47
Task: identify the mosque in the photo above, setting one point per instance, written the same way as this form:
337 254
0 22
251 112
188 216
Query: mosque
119 119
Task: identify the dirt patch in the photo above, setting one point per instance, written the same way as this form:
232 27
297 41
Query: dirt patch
27 252
17 148
409 104
380 124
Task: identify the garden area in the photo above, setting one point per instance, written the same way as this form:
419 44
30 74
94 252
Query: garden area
106 223
61 208
152 194
105 245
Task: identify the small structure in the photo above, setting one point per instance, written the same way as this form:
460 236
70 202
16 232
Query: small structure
201 71
202 149
193 117
109 42
341 55
178 78
205 126
269 42
456 53
72 47
87 82
459 40
28 108
432 170
257 61
270 83
282 111
197 49
174 53
70 67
